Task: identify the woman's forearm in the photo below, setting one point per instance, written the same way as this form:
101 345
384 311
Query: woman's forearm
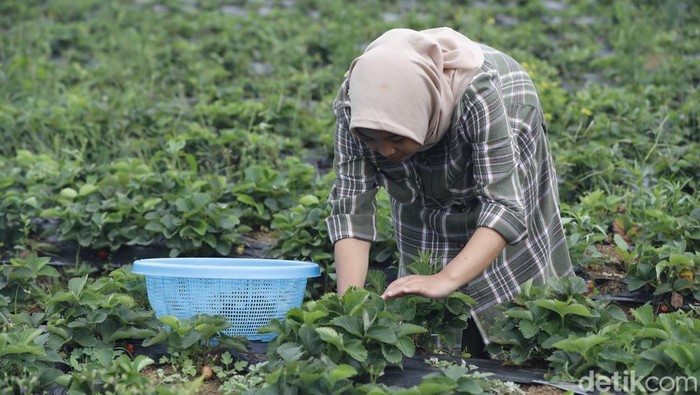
351 263
481 250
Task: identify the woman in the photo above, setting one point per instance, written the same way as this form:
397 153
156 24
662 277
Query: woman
455 132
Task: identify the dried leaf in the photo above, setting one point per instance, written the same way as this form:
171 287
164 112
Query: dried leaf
676 300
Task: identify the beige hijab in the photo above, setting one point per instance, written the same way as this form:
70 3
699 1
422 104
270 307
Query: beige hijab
408 82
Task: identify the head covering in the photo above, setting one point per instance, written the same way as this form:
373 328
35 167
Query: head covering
408 82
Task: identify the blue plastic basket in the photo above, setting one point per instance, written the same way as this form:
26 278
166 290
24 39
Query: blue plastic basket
249 292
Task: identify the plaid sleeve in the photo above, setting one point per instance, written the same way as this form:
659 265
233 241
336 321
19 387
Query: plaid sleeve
494 152
353 195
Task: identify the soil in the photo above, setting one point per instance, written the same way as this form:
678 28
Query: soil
613 269
541 389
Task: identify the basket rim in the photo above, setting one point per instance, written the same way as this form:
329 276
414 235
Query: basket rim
230 268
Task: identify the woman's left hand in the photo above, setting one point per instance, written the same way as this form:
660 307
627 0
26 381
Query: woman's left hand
434 287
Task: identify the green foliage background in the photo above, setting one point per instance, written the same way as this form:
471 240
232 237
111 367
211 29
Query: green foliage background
114 113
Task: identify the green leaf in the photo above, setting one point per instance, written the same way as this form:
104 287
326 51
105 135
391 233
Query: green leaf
406 346
563 308
310 317
76 285
104 356
150 203
247 199
200 200
143 361
311 340
309 200
190 338
620 242
171 321
351 325
63 380
577 309
406 329
651 333
644 315
341 372
391 354
128 333
528 328
376 280
356 350
330 335
354 300
160 337
68 193
87 189
290 352
464 298
519 313
455 372
434 387
580 345
382 334
85 338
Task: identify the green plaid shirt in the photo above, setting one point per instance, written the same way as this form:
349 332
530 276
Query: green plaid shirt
493 168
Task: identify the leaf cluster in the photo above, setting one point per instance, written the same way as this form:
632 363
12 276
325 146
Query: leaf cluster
542 315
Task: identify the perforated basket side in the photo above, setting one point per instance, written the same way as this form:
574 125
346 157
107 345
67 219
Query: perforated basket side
248 304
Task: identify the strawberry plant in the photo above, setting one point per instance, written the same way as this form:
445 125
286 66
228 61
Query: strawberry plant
192 338
309 376
84 316
444 318
26 281
669 269
358 329
663 346
541 315
27 350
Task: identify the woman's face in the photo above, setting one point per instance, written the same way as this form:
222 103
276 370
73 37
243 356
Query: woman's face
391 146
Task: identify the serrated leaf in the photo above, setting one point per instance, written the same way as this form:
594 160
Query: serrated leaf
519 313
76 285
382 334
310 317
528 328
391 354
644 314
342 372
311 340
464 298
352 325
406 329
580 345
170 320
290 352
356 350
406 346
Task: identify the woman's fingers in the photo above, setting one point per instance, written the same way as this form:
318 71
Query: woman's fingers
409 285
426 286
